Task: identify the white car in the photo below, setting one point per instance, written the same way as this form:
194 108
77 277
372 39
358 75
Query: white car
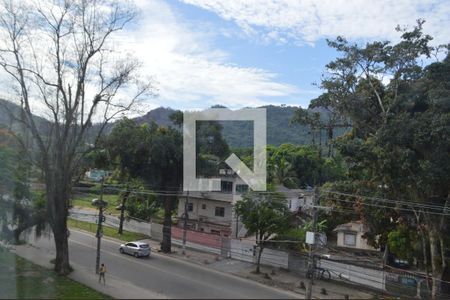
137 249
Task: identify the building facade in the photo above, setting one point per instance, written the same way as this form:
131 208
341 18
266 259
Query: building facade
350 235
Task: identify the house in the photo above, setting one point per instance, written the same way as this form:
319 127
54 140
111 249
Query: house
212 212
350 235
297 199
96 174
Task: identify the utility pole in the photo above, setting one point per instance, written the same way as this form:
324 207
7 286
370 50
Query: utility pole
185 222
312 247
237 224
100 204
122 209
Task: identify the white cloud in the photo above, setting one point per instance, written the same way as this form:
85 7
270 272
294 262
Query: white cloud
190 72
307 21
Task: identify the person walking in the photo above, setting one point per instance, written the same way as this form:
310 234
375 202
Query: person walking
102 272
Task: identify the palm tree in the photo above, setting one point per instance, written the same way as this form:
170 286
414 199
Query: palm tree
282 172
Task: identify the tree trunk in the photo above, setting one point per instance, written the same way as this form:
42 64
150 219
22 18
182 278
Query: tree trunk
62 265
425 257
58 194
166 244
436 266
423 238
330 141
443 258
122 210
258 262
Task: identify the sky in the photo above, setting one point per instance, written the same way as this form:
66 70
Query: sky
256 52
249 53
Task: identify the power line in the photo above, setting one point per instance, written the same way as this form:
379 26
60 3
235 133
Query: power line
390 207
384 200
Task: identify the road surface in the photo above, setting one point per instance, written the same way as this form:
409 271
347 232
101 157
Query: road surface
159 274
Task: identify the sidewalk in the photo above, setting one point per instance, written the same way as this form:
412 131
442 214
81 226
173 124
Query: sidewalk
114 287
275 277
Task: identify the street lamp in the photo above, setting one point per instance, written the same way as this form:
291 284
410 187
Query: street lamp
100 204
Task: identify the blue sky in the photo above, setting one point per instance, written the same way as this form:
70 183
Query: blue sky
257 52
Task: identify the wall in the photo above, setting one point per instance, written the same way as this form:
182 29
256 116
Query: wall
242 250
361 243
356 274
274 258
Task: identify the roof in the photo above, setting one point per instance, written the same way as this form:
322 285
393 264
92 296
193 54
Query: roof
139 243
356 226
293 192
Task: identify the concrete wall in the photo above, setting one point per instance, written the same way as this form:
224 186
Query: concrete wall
274 258
360 275
242 250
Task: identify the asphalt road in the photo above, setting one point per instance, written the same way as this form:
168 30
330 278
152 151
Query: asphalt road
160 274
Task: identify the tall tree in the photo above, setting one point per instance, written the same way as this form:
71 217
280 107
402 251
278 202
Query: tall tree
165 173
399 146
59 60
154 155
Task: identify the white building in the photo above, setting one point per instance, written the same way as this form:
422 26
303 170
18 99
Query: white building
350 235
297 199
212 212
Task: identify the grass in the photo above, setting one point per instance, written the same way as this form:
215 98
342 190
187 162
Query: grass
86 199
20 278
126 236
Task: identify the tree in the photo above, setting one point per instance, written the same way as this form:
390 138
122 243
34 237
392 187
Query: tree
165 169
57 57
264 215
211 147
325 119
301 166
282 172
398 147
154 155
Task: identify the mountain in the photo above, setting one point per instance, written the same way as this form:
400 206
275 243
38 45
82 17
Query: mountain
10 112
160 116
240 133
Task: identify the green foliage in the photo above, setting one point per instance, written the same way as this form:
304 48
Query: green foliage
298 235
399 146
301 166
127 146
402 242
263 214
140 205
7 161
126 236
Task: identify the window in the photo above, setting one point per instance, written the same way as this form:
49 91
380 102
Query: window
220 211
190 207
349 239
215 232
241 188
203 206
226 186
